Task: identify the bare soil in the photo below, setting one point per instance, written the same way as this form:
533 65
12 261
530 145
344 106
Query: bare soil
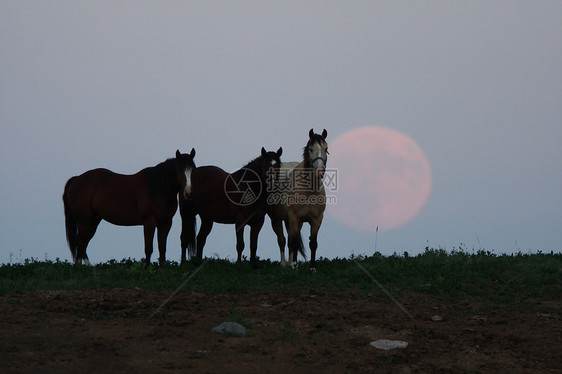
112 330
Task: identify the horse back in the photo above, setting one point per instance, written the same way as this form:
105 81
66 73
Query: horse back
208 175
117 198
104 182
210 197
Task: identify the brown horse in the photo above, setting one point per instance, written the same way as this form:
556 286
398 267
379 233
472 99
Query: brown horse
238 198
300 197
147 198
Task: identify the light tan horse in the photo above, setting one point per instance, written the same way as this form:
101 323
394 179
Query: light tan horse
299 197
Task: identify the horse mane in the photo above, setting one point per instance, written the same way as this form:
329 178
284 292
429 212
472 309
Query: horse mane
161 179
254 165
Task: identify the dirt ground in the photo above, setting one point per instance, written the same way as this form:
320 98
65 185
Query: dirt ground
300 332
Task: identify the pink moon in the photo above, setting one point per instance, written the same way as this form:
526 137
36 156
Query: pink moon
383 179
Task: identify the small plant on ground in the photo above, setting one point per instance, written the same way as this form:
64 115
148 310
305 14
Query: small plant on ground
236 316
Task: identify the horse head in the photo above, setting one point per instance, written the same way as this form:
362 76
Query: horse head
316 152
184 167
271 163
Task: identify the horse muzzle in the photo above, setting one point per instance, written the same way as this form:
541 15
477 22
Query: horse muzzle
187 193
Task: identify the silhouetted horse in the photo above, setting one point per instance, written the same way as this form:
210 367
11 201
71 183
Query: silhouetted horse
238 198
300 197
147 198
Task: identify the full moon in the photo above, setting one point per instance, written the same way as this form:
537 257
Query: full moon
383 179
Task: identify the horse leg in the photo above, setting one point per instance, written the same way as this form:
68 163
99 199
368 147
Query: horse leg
188 227
254 233
206 226
300 243
149 228
287 228
313 243
162 235
86 231
277 226
294 240
239 240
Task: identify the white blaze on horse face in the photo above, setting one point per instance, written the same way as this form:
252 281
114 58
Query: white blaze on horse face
318 157
187 189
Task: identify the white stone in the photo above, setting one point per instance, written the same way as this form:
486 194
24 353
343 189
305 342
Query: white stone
387 345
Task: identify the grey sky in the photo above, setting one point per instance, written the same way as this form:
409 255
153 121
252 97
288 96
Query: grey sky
122 85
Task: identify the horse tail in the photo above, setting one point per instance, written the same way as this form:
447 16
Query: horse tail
188 227
70 222
300 246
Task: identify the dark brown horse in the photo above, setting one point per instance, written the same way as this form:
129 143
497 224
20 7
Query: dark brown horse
147 198
239 198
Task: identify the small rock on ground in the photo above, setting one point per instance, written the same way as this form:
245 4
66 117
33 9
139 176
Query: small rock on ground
230 328
387 345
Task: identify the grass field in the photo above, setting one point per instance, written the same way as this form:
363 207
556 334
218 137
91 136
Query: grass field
495 313
504 278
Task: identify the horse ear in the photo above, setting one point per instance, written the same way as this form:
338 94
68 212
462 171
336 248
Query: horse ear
178 154
192 154
263 152
311 133
279 151
324 134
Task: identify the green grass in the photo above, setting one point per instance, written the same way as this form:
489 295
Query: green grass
505 278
